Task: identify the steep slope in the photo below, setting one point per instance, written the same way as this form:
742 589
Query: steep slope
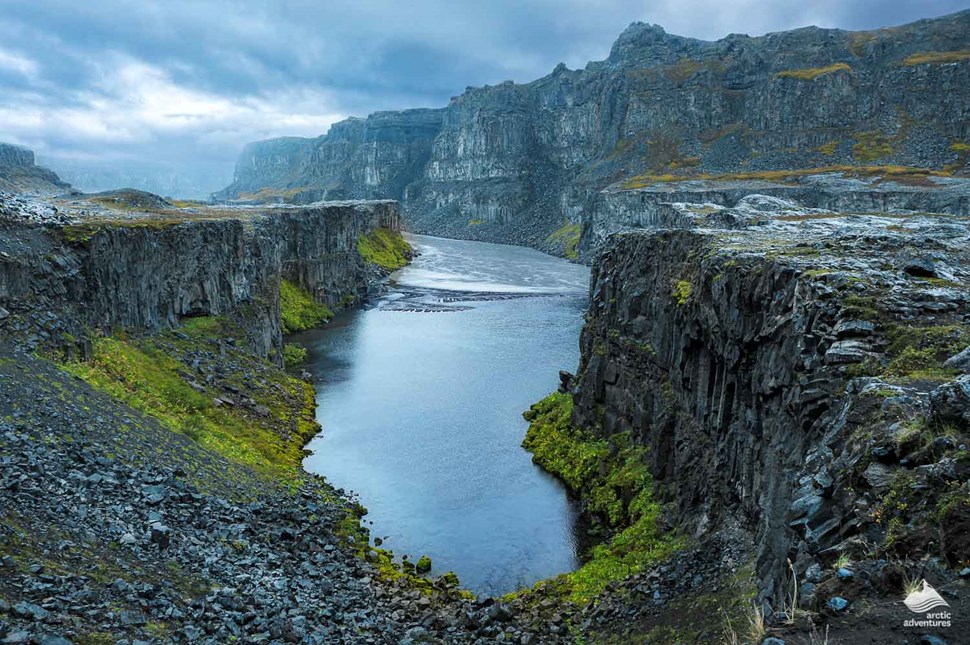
516 162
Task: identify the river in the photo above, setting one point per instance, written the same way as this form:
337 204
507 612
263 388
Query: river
421 395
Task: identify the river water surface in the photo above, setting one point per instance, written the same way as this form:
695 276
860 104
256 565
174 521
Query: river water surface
421 399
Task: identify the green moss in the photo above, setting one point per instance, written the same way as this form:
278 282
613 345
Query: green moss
615 484
567 238
299 310
144 374
919 352
682 291
937 58
385 248
81 233
811 73
293 354
870 146
828 148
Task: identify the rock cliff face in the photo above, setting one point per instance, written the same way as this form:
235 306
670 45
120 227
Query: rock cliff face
376 157
150 274
784 372
515 162
18 174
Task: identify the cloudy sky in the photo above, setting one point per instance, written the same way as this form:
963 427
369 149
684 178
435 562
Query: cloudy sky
183 84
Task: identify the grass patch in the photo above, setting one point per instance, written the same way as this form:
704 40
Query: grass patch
937 58
299 310
828 148
919 352
567 238
870 146
144 374
613 480
386 248
811 73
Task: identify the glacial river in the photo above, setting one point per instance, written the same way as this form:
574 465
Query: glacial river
421 397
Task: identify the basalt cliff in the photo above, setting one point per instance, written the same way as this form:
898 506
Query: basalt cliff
526 163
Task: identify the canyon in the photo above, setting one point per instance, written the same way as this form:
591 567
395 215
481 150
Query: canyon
526 164
766 435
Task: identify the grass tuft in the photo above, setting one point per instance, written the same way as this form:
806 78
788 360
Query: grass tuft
299 310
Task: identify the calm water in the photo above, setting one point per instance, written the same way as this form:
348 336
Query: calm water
421 397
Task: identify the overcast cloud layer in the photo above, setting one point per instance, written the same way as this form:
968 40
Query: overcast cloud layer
183 84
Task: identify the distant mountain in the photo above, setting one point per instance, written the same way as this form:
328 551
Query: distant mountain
20 174
513 163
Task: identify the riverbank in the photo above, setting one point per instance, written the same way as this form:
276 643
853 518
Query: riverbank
153 488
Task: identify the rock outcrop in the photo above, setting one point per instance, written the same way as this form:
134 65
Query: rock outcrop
513 163
152 272
19 173
788 367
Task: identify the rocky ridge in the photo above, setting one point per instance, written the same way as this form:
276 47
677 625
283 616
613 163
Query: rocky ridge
514 163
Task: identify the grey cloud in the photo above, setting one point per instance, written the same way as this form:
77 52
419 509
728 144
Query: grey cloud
188 82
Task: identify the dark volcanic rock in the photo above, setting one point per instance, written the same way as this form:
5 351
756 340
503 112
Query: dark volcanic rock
730 354
152 273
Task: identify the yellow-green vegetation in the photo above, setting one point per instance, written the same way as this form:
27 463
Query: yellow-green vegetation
299 310
385 248
859 40
888 172
293 354
566 237
475 222
919 352
828 148
870 146
144 374
811 73
80 233
611 476
681 292
937 58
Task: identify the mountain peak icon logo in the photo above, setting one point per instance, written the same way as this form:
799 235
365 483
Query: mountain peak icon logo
924 600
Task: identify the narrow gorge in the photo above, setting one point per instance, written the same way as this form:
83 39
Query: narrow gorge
717 392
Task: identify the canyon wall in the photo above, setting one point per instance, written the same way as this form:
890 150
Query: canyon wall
514 162
150 274
760 367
